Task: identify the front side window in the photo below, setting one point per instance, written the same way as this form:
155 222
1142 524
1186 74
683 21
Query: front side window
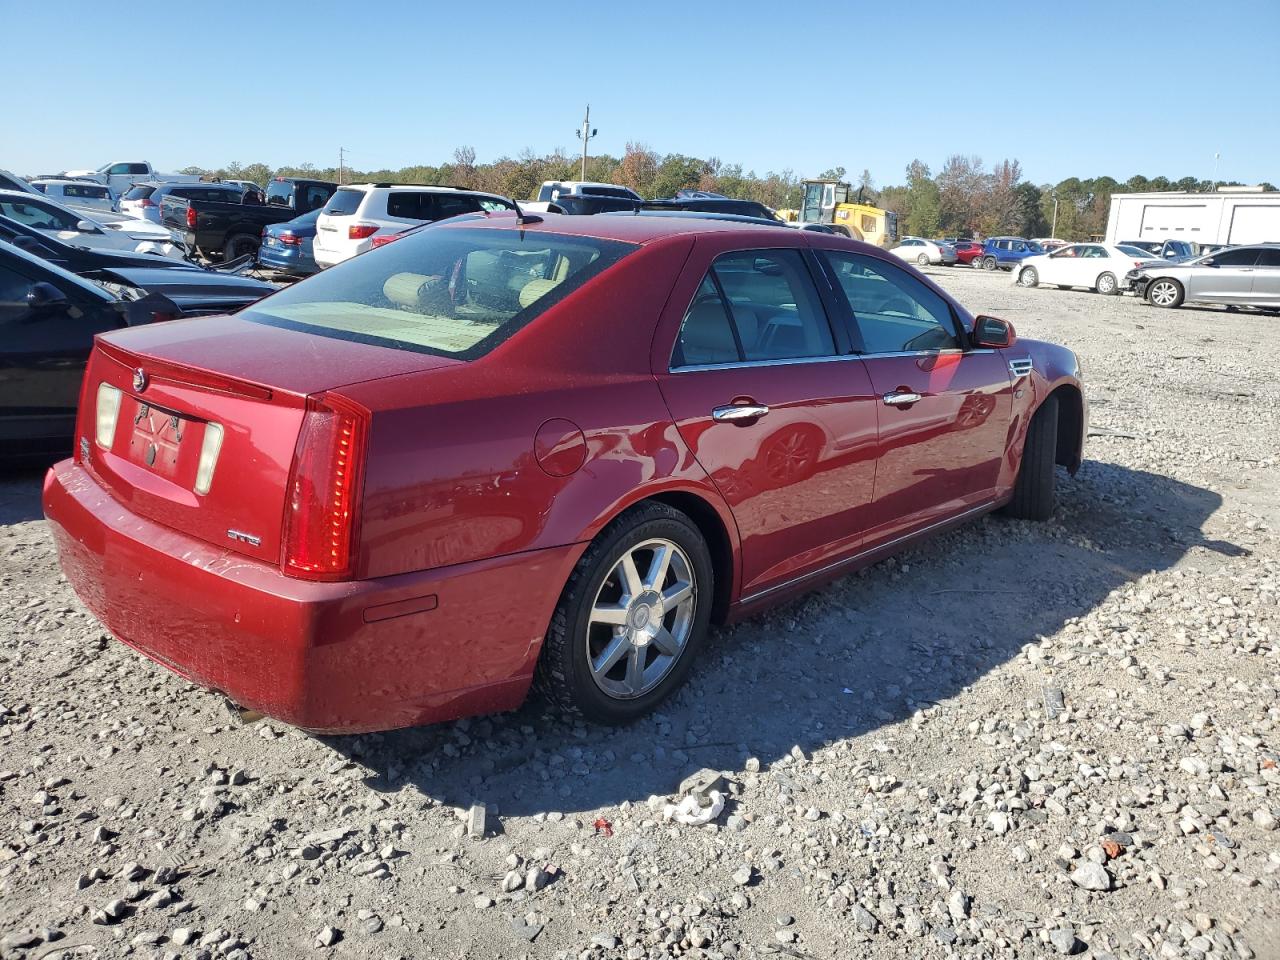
14 288
1244 257
1270 257
121 169
449 292
894 312
1066 253
37 215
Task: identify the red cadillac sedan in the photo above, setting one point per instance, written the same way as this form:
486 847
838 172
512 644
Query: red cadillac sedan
550 447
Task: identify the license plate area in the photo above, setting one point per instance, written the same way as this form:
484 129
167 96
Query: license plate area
156 440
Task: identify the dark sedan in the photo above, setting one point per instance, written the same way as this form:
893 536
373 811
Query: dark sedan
49 317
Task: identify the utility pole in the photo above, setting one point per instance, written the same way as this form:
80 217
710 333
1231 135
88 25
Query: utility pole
585 135
1053 231
342 172
1216 158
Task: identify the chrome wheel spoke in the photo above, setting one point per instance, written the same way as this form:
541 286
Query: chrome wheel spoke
632 585
635 671
609 657
614 614
666 643
658 568
676 594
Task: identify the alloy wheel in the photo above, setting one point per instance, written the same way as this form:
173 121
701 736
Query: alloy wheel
1164 293
641 619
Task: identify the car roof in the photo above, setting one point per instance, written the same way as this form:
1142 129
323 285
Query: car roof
622 227
422 187
78 183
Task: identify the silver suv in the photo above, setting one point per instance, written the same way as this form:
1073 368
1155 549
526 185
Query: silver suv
1247 276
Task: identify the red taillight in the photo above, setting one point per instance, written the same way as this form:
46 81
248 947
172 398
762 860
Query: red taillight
324 487
289 240
191 218
361 231
146 202
386 238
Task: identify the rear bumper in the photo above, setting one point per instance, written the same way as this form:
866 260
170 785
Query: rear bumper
330 657
291 260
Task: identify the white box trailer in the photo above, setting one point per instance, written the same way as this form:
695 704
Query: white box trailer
1221 217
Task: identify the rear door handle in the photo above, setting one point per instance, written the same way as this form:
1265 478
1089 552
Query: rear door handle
739 412
899 399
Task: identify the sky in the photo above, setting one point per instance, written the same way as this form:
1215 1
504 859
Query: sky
1068 89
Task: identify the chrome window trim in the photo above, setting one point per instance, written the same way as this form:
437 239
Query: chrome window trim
791 361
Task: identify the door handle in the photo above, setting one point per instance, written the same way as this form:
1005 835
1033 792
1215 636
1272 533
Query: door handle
739 412
897 398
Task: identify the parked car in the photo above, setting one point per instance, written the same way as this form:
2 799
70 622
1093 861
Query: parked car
120 175
145 198
11 181
76 226
581 205
287 246
1245 276
299 194
967 251
230 229
1006 252
1165 249
50 317
390 494
924 252
355 215
76 258
1048 244
555 189
76 193
744 208
1103 267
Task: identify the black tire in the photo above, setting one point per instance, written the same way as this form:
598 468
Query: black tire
1033 491
1166 293
240 245
1107 284
1028 277
563 673
988 263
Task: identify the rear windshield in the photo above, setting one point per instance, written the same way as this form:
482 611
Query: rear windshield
449 292
139 193
344 202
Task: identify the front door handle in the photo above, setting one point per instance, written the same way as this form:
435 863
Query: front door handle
897 398
739 412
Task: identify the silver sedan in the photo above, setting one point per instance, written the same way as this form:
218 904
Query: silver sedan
1247 276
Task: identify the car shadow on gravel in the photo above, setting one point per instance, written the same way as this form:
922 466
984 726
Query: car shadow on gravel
857 657
20 488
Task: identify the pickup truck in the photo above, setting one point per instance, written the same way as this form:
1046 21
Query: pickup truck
119 175
228 231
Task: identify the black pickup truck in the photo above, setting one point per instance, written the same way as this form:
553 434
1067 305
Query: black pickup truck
229 231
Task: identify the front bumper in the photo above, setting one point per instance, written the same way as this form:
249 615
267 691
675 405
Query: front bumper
339 657
1138 283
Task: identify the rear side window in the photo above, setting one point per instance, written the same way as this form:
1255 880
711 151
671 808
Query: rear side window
1270 257
42 187
1244 257
280 193
894 312
344 202
449 292
767 305
411 205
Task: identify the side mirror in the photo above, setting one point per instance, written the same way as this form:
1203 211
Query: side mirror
1208 262
84 226
993 333
45 298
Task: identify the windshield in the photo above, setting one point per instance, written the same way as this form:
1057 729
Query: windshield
450 292
1132 251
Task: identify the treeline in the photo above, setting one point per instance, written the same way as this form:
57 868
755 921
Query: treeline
964 198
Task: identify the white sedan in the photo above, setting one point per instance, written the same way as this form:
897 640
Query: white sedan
77 227
1098 266
923 252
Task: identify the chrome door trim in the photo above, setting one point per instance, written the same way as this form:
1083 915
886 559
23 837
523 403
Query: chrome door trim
852 558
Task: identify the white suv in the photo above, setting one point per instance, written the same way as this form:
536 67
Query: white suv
356 214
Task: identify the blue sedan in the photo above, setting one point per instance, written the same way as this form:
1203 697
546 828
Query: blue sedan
287 246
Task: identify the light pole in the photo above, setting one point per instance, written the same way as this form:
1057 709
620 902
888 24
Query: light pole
585 135
1053 231
1216 158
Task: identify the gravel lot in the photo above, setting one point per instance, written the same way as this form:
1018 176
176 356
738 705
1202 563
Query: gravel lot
1021 740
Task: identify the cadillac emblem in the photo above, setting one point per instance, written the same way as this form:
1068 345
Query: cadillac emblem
139 379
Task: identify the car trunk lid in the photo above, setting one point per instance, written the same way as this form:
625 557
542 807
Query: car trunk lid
205 450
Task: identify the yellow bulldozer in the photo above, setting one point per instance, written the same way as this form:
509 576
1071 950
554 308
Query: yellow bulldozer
835 204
